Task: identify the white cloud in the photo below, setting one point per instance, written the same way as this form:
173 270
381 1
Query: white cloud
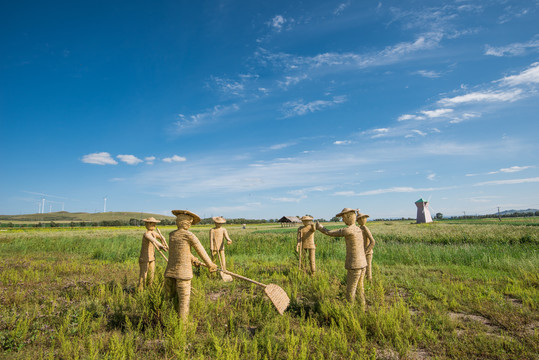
341 8
174 158
528 76
512 49
291 80
298 108
186 123
437 113
129 159
286 199
277 22
509 182
415 132
101 158
431 177
149 160
486 96
396 189
405 117
342 142
513 169
428 74
280 146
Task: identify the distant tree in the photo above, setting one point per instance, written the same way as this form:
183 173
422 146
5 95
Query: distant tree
335 219
53 224
439 216
72 224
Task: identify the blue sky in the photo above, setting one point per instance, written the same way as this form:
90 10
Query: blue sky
260 109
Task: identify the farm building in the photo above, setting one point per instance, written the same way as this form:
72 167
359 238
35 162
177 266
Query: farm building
423 212
289 221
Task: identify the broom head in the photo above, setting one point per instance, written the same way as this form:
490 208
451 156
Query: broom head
278 297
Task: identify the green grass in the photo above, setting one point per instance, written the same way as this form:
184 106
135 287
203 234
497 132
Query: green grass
440 290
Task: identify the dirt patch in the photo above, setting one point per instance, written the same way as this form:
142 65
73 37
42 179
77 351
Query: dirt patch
515 302
214 296
387 354
419 354
532 328
467 318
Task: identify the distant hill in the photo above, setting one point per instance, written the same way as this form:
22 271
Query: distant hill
511 212
62 216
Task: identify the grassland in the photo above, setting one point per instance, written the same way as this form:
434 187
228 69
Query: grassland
64 216
442 290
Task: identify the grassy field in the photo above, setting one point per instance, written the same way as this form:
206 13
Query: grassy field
458 290
65 217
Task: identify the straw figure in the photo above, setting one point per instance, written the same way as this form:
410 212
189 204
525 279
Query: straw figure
355 253
217 245
179 271
368 240
147 252
306 242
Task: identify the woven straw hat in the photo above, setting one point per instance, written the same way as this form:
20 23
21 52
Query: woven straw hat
219 219
360 215
151 220
345 210
196 218
306 217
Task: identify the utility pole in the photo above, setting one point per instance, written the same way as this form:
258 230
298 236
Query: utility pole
43 206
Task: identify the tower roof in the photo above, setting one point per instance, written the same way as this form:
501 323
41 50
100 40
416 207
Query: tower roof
421 201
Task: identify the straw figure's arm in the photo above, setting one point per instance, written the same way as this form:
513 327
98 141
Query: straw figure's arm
298 244
213 248
228 239
333 233
162 237
195 261
367 232
149 236
194 242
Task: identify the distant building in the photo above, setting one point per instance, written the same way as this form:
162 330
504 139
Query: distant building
289 221
423 213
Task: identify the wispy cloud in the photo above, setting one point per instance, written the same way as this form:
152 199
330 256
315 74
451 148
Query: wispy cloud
514 49
174 158
528 76
486 96
291 80
397 189
129 159
341 8
431 177
437 113
100 158
281 146
509 182
189 122
428 74
299 107
277 22
342 142
149 160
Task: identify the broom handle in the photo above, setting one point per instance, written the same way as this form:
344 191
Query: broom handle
242 277
163 255
164 240
238 276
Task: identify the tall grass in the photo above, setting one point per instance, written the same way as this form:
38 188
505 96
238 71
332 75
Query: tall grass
71 295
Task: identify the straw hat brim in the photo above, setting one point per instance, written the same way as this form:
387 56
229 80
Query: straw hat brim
196 218
151 220
345 211
360 215
219 220
306 218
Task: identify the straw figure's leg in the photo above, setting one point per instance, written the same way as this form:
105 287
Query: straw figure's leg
352 279
151 272
170 288
362 288
184 296
312 259
369 267
143 265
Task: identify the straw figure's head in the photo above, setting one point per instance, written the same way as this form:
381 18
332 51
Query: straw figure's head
185 218
150 223
362 218
348 216
219 221
307 220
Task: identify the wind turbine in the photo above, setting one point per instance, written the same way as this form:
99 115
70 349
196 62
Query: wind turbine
105 204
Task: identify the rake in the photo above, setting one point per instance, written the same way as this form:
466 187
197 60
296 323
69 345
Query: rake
276 294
